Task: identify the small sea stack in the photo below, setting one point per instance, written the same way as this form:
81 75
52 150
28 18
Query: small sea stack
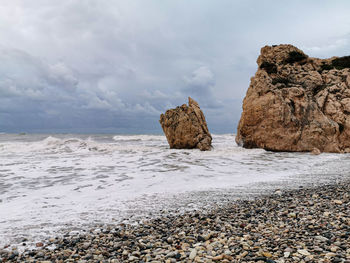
185 127
297 103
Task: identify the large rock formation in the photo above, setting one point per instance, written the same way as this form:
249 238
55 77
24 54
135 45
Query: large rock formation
185 127
297 103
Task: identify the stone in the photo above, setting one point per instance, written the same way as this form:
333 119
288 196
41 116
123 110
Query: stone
334 248
338 202
278 192
297 103
267 254
133 258
315 151
292 215
219 257
185 127
330 254
86 245
304 252
193 254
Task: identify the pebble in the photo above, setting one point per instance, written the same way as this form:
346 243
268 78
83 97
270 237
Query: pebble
304 252
330 255
220 257
267 254
303 225
132 258
338 202
193 254
321 238
334 248
39 244
292 215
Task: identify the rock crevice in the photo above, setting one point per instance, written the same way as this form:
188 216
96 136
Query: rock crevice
297 103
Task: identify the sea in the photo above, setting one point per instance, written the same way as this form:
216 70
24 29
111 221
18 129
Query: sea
54 184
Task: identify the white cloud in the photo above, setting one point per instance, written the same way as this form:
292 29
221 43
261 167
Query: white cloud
200 85
144 108
202 77
63 76
330 48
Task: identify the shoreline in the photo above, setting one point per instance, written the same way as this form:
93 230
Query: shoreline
303 225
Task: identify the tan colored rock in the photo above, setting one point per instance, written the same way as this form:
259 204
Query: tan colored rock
315 151
297 103
185 127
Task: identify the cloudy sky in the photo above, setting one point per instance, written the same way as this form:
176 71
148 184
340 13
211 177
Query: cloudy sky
114 66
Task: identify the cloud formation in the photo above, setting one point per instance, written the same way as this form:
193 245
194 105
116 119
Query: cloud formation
114 66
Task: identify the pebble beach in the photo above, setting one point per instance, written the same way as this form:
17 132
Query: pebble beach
303 225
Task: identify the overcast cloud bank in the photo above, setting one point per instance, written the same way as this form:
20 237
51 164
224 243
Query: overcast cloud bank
114 66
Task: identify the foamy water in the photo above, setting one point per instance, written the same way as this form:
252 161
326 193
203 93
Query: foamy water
52 183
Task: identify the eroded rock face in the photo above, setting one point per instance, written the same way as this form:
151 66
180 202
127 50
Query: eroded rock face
297 103
185 127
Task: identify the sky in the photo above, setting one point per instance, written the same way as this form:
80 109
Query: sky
113 66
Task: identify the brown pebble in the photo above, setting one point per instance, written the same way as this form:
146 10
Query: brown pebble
220 257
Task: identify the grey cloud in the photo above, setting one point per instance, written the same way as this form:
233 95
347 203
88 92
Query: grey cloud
62 76
24 76
113 65
201 77
334 46
37 96
201 85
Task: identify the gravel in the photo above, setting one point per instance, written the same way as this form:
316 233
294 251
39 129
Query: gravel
304 225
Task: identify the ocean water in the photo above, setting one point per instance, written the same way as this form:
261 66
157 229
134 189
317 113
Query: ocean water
51 184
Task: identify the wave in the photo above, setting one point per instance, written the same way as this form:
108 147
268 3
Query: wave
139 138
223 145
54 145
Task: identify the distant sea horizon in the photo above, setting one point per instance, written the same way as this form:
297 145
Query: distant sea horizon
117 131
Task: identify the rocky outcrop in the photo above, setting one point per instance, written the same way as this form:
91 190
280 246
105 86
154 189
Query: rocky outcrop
297 103
185 127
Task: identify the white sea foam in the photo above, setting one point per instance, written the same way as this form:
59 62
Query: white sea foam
139 138
57 182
